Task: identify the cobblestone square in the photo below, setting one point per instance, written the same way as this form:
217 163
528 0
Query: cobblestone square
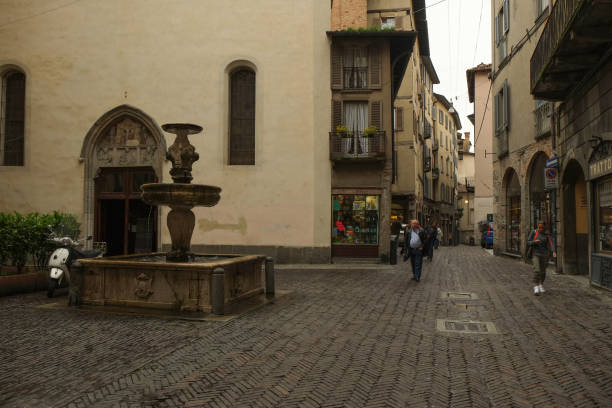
343 337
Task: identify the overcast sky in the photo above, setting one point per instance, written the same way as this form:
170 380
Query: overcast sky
457 44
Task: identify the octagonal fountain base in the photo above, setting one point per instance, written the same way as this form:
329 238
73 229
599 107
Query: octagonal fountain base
208 283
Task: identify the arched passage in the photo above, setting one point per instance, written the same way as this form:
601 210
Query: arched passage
539 197
575 220
512 188
122 150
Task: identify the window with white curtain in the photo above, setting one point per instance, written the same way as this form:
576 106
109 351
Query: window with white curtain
356 116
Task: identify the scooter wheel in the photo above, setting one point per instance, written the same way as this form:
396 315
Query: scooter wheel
51 288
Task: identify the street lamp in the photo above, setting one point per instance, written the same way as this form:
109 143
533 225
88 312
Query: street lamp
467 202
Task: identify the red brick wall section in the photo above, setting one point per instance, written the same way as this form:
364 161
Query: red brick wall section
349 13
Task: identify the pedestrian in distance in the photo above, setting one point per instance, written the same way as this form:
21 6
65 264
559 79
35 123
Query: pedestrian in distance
540 247
439 236
414 243
431 234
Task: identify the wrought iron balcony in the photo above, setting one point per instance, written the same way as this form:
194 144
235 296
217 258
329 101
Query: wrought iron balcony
542 120
576 37
357 146
427 164
435 173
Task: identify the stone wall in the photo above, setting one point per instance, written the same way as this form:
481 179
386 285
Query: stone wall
349 13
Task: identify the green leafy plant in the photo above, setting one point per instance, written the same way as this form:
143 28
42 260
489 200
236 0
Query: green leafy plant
343 131
370 131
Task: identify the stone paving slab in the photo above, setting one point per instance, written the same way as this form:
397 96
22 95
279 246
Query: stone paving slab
341 338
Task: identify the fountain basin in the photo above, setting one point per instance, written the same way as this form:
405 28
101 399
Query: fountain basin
146 281
183 194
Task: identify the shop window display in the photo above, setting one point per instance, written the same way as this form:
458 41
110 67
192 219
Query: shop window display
355 219
604 197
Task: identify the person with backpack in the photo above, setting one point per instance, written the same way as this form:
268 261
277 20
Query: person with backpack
540 247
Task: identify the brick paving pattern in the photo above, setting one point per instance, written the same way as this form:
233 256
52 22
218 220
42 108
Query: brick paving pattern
342 338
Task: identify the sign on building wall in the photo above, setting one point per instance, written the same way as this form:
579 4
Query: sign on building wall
551 178
600 168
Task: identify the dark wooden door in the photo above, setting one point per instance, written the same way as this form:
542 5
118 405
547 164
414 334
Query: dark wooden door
242 117
123 220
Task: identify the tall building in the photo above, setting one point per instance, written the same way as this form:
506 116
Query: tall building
522 140
479 93
571 66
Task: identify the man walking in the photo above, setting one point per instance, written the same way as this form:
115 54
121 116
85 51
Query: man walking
431 234
541 246
415 239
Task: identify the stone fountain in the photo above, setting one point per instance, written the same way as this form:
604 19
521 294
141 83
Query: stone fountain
179 279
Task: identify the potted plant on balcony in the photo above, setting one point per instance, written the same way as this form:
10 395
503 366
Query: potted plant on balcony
366 139
346 137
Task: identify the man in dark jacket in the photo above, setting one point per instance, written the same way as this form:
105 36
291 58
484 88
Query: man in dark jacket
414 239
431 235
542 247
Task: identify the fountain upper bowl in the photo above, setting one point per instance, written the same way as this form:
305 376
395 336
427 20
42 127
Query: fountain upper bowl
188 128
180 194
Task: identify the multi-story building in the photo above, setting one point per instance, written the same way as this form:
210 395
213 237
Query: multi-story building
86 86
371 45
571 65
446 122
479 91
412 184
521 126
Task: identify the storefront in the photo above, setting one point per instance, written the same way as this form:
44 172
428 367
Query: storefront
513 206
600 173
355 225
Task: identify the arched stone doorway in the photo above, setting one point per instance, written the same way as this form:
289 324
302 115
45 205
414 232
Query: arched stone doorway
575 221
513 211
539 197
122 150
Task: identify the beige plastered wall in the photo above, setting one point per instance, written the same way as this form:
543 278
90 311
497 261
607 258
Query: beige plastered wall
483 174
170 60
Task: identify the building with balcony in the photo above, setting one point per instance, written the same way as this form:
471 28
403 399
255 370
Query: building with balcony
479 93
522 140
571 66
367 69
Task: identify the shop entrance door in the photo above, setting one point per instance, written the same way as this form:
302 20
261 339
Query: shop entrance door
123 220
355 228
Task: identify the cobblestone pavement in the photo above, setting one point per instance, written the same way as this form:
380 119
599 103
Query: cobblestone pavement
344 337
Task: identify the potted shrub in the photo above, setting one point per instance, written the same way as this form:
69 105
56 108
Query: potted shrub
366 136
346 136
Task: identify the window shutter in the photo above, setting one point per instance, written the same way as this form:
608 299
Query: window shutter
14 115
496 112
506 101
336 67
375 67
376 114
496 29
242 118
336 114
506 16
399 117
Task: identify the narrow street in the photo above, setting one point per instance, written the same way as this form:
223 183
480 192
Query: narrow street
341 337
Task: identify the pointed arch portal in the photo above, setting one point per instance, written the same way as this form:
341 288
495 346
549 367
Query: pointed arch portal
123 150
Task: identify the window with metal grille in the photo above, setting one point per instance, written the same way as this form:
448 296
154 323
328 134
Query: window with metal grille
12 118
242 117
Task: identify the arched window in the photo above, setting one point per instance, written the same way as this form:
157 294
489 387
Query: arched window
12 115
242 117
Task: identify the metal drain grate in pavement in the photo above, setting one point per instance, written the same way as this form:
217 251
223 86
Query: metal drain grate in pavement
459 295
465 326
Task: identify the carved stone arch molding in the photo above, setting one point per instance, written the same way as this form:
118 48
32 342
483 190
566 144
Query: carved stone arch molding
123 137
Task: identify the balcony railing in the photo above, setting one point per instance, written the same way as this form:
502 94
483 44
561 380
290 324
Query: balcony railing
435 173
428 132
575 38
355 77
357 146
427 164
542 120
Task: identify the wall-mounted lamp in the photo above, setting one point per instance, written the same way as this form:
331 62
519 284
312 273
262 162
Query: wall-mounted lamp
595 141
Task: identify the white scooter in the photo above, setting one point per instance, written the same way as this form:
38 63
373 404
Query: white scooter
61 259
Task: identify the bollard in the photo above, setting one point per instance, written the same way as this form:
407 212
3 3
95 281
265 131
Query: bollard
269 276
218 291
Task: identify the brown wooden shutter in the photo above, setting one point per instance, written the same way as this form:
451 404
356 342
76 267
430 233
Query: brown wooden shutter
375 67
336 67
336 114
14 119
242 117
506 102
399 118
376 114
